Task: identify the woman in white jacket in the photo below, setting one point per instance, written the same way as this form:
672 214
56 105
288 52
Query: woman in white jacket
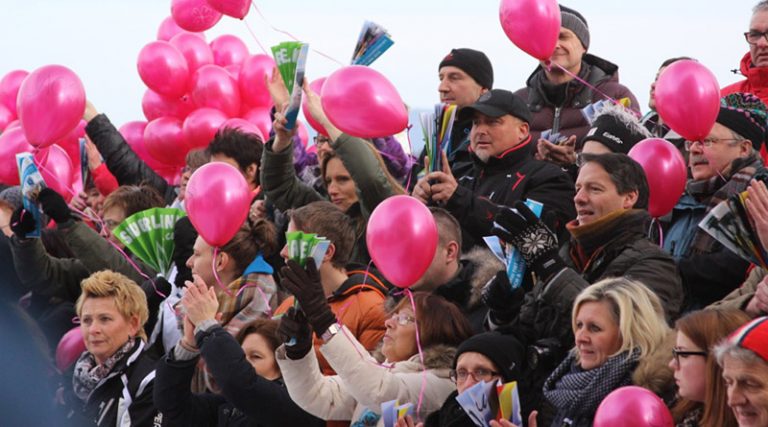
361 385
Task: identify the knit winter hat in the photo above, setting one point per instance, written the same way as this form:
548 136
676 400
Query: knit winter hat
505 351
575 22
472 62
617 129
753 336
745 114
11 197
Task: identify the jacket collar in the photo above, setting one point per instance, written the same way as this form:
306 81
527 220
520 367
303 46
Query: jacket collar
756 76
594 70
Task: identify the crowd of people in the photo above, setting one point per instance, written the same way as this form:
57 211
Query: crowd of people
243 334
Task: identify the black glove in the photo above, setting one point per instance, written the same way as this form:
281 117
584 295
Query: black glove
306 288
503 301
533 239
54 205
22 222
294 328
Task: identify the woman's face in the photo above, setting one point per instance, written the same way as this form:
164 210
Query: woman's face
400 338
690 370
261 356
104 329
597 334
201 261
341 189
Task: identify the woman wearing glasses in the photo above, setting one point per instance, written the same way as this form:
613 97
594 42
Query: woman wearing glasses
700 388
361 384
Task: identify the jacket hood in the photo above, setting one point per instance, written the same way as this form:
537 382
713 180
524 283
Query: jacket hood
653 372
435 357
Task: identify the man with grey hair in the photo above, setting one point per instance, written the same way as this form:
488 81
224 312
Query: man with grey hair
556 98
744 359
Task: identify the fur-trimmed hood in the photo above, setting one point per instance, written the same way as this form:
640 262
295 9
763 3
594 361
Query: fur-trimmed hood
653 372
478 266
436 357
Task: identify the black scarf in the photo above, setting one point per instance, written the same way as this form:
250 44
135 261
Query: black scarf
577 393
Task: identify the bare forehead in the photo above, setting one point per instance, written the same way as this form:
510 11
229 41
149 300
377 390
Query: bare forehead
451 71
473 359
759 21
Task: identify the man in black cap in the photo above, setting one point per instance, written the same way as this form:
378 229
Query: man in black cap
502 170
721 165
555 97
464 74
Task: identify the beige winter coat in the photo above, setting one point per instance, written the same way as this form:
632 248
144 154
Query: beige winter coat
361 384
740 297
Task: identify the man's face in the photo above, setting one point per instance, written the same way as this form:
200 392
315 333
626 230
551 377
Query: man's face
706 162
759 51
112 218
747 386
323 145
457 87
597 196
492 136
652 99
568 50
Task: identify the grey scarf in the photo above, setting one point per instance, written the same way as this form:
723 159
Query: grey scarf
88 374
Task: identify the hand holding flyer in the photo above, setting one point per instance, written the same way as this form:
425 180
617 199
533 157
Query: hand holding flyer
291 60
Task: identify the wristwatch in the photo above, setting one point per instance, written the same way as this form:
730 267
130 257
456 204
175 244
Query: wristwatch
330 332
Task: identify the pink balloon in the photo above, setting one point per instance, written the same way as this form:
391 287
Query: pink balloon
70 347
665 171
9 88
195 50
12 142
14 124
688 99
312 149
163 69
164 140
201 125
301 131
172 175
6 117
217 202
392 251
228 50
261 118
234 71
532 25
244 126
168 29
253 74
632 406
56 170
51 102
361 102
194 15
155 105
71 145
133 132
234 8
317 87
214 87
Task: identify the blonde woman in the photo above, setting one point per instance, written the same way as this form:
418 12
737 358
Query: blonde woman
114 377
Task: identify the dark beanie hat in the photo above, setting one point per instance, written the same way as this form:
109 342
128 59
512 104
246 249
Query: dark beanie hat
575 22
472 62
746 115
505 351
617 129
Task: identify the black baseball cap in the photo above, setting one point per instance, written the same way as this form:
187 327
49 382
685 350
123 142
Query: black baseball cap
497 103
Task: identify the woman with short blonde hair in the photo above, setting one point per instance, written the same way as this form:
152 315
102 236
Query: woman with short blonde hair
114 377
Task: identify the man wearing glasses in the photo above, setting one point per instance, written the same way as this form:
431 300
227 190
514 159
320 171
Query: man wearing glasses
754 65
721 165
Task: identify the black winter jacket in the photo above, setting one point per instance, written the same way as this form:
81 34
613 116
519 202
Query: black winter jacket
122 161
484 188
124 397
247 399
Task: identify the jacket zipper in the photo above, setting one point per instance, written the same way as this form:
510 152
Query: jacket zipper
556 121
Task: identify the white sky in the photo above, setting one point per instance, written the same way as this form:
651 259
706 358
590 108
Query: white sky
100 39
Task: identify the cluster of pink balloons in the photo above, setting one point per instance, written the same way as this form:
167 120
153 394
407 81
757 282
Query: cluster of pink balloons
196 88
41 112
201 15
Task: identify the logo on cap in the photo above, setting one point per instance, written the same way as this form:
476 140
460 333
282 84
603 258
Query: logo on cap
613 138
484 97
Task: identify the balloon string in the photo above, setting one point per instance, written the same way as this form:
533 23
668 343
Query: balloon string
421 352
98 221
76 320
661 233
255 285
216 273
582 81
291 35
255 38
